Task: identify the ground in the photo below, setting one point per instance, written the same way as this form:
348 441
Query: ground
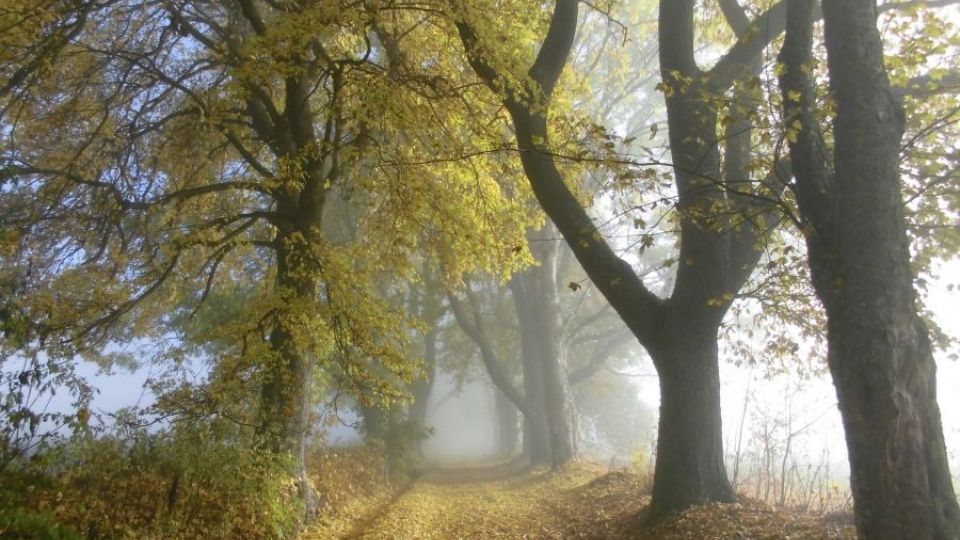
580 501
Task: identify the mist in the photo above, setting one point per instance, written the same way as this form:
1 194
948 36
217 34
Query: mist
484 268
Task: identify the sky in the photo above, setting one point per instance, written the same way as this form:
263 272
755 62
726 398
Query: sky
814 401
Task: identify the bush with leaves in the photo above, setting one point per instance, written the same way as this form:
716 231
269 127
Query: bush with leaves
194 481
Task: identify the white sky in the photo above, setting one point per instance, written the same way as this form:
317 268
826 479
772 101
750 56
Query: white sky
816 401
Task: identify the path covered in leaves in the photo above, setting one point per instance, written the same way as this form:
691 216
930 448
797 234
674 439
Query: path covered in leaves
581 501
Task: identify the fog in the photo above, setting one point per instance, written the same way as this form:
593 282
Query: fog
755 405
770 420
464 427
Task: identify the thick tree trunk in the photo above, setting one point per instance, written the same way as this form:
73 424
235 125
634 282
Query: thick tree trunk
285 412
885 377
558 403
716 259
384 425
536 439
508 434
880 354
538 310
285 393
879 348
560 415
536 432
689 468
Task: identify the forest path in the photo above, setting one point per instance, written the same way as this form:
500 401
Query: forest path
473 473
581 500
506 502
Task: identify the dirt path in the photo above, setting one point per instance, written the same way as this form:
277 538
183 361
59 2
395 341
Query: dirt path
580 501
489 502
448 476
488 472
366 522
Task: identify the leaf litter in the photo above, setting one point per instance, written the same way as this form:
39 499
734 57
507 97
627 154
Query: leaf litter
583 500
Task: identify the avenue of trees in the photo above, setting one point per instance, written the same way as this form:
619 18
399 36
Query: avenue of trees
330 204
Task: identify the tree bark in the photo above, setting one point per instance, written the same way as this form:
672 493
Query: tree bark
560 413
689 468
537 304
879 349
508 434
536 428
285 392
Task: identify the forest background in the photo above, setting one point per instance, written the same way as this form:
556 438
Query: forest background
290 215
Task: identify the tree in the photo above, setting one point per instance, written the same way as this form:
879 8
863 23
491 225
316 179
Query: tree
720 228
535 297
579 328
429 297
151 157
530 401
544 303
880 354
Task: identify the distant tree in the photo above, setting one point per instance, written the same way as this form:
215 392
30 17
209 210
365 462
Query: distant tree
612 413
535 293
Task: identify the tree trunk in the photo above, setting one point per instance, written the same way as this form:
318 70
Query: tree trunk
885 377
417 413
507 432
560 415
538 314
880 355
879 348
536 433
385 425
689 467
558 403
285 393
285 412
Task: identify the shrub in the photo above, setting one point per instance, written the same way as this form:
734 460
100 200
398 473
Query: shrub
19 521
190 482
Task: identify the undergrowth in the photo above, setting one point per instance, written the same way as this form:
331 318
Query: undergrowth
186 483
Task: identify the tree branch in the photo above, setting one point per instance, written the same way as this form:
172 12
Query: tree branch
770 24
613 276
556 46
474 329
601 353
736 16
808 151
929 85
